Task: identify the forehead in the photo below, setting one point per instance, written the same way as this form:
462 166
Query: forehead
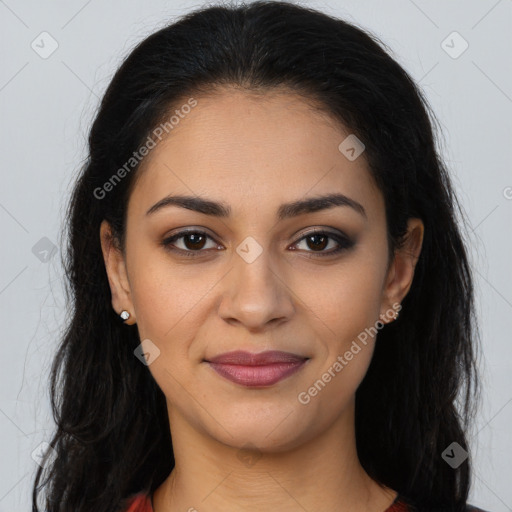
253 151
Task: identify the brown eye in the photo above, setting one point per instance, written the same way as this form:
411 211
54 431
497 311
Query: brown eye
318 241
193 242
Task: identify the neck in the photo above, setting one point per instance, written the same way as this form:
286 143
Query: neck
322 473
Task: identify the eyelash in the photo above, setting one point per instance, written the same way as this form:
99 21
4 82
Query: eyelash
344 243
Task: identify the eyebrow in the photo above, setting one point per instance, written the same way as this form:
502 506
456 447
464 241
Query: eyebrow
285 211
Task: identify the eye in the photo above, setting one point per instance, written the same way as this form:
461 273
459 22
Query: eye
193 241
319 240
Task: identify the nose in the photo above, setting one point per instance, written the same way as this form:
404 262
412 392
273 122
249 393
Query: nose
255 295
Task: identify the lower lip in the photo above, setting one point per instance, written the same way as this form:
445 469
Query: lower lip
264 375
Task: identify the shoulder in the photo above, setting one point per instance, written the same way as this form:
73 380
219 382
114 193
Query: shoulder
472 508
139 502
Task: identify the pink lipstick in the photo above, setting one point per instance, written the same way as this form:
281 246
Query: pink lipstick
256 370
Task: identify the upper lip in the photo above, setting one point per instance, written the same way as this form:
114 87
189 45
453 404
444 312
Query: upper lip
240 357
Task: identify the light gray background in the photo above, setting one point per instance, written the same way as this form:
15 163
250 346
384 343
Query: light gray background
46 109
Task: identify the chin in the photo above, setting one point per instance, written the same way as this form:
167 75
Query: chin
267 434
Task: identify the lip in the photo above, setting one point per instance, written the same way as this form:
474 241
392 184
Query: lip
256 370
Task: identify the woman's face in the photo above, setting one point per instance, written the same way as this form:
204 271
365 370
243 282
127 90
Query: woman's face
256 279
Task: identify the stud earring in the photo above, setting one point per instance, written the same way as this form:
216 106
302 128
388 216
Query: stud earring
124 315
384 317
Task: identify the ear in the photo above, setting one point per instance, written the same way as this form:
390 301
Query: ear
401 271
116 271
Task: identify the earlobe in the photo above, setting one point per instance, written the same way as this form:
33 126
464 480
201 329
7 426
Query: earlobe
401 272
117 275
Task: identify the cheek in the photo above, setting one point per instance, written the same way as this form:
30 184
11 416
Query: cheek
348 307
155 308
347 300
169 315
167 298
349 325
172 304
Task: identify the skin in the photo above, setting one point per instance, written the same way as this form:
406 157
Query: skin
255 152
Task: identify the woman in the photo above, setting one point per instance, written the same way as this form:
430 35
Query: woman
272 301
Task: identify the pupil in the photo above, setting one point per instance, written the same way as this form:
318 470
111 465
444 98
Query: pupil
192 237
324 238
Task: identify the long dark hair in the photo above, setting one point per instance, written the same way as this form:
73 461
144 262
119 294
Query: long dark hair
112 438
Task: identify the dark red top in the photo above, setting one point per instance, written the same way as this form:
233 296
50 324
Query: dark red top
140 503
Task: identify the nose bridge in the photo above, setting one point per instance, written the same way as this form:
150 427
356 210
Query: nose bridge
255 293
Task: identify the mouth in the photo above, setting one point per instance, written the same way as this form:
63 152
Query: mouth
256 370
